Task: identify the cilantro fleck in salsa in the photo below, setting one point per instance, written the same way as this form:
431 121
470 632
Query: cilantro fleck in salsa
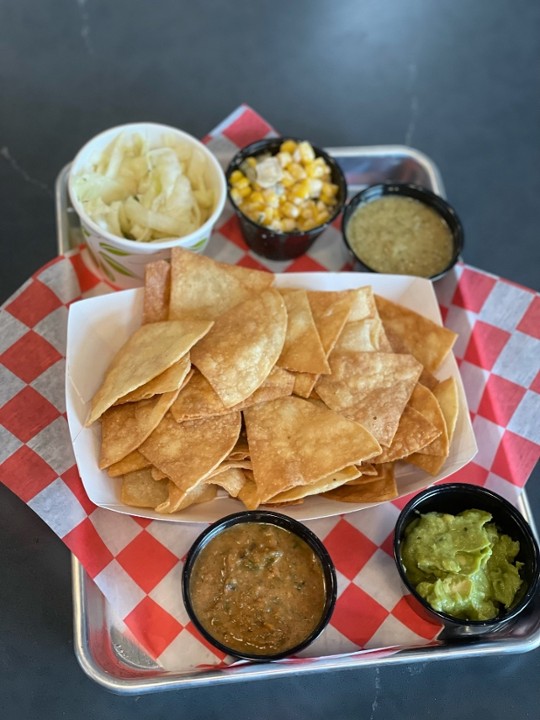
258 589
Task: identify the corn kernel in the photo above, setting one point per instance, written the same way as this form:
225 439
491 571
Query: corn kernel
328 191
236 197
244 190
284 158
315 187
307 212
251 162
297 171
322 217
290 210
306 151
269 214
276 225
271 198
300 190
288 224
256 197
287 180
288 146
236 177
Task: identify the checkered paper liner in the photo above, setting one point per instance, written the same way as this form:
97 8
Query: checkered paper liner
137 563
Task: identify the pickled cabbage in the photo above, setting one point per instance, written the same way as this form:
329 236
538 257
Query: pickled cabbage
146 193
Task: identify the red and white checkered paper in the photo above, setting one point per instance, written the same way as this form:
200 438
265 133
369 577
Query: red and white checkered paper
137 563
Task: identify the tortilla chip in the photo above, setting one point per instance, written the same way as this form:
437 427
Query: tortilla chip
372 388
204 288
330 311
157 474
429 342
199 400
374 491
249 494
125 427
139 489
361 336
149 352
133 461
181 499
447 396
319 486
237 355
425 402
414 432
188 452
157 291
296 442
232 480
302 350
172 379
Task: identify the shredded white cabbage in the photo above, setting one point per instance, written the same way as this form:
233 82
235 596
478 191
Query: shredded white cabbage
145 193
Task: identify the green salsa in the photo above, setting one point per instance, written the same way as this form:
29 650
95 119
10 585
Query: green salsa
461 564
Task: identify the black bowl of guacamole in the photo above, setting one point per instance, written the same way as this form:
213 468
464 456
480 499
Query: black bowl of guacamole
467 558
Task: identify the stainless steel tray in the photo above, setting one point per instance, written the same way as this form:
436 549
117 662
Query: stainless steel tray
103 644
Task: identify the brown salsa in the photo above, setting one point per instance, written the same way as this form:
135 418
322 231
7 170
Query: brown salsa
258 588
400 235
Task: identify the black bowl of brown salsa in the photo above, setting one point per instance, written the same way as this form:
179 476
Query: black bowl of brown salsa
259 585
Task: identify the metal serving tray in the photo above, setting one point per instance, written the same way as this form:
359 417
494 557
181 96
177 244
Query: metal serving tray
103 644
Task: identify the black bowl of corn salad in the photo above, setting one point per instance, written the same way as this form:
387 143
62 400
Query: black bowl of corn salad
285 192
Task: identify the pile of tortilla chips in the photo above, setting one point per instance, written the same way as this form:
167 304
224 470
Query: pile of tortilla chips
270 395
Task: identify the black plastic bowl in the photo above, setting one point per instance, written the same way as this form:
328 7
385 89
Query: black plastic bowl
282 521
416 192
282 245
454 498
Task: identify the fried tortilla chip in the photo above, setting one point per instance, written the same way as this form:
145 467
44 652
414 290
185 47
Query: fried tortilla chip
319 486
374 491
199 400
425 402
447 396
330 312
172 379
296 442
157 291
302 350
139 489
429 342
125 427
446 393
149 352
133 461
414 432
372 388
188 452
232 480
237 355
181 499
204 288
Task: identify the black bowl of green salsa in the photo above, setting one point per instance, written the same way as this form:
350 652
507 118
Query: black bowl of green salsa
467 558
402 229
259 585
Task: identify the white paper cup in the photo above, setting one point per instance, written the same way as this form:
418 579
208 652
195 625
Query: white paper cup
121 261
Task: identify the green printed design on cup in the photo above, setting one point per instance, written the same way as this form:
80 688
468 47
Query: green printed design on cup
199 245
113 250
115 266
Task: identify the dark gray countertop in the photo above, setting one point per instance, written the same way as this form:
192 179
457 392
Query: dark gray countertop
459 80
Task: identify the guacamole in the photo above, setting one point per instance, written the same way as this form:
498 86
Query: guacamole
461 564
